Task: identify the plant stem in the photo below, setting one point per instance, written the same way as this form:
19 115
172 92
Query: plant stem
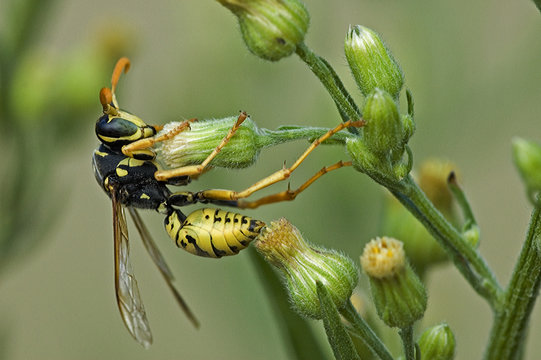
466 258
407 340
328 77
363 331
510 326
285 134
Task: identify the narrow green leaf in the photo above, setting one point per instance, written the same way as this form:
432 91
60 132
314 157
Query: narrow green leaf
297 334
338 337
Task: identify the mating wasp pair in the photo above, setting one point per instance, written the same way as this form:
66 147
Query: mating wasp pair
125 167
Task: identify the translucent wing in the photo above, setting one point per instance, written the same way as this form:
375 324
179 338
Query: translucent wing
159 260
127 293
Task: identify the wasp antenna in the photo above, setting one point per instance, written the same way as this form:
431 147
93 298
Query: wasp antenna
105 97
122 65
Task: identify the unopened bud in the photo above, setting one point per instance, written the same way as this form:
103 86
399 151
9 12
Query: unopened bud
527 157
437 343
398 294
271 29
383 131
371 62
303 264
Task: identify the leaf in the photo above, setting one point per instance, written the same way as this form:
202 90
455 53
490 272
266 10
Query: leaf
296 332
341 343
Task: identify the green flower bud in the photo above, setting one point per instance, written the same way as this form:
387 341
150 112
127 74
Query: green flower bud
527 157
271 29
191 147
398 294
371 63
303 264
383 131
437 343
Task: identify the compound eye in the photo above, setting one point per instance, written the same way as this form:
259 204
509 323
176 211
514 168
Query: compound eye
110 129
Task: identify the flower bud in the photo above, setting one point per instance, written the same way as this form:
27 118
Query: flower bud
398 294
383 131
371 62
437 343
271 29
433 180
303 264
527 157
191 147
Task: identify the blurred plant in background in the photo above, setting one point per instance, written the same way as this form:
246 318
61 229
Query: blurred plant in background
44 102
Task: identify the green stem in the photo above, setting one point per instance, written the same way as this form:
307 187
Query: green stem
363 331
458 193
328 77
510 326
289 133
466 258
407 340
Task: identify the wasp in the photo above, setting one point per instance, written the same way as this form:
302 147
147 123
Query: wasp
125 167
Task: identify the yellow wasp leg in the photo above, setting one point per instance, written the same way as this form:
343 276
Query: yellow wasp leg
146 143
278 175
289 194
196 170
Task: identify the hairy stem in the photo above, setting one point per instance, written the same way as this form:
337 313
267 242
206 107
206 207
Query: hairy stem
363 331
407 340
328 77
465 257
511 322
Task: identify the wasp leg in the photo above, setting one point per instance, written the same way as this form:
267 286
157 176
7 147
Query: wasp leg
144 145
279 175
289 195
216 196
196 170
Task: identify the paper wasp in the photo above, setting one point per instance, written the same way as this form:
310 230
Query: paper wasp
125 167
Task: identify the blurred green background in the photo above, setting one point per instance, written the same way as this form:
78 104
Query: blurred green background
473 68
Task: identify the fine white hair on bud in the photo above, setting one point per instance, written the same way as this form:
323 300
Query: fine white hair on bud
371 63
383 257
303 265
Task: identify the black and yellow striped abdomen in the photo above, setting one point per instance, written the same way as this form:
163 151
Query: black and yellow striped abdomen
212 232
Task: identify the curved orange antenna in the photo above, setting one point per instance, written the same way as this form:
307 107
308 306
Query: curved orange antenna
106 97
123 64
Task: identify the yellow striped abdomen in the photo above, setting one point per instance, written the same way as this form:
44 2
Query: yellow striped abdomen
213 232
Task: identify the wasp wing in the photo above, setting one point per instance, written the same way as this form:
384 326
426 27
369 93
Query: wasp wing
127 292
159 260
